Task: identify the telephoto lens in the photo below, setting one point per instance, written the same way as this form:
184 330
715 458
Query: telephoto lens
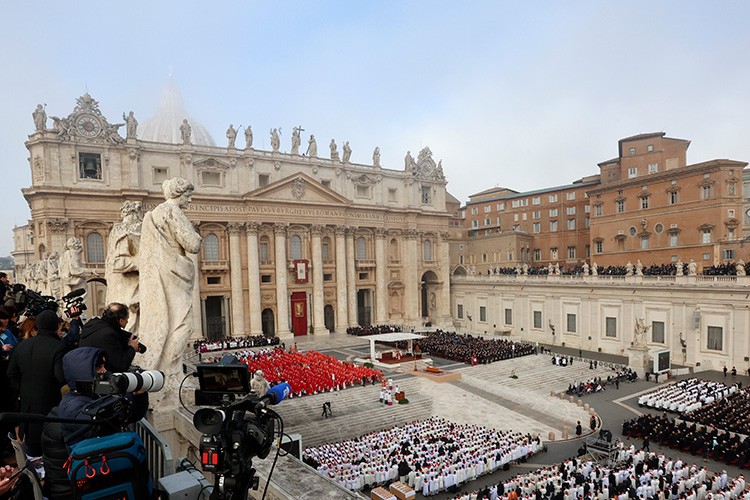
146 381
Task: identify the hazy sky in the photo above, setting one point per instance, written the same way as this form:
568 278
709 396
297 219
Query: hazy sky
520 94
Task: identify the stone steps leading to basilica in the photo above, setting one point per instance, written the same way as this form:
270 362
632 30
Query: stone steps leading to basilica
356 411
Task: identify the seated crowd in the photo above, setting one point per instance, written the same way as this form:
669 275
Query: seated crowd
310 372
205 345
690 437
598 384
471 349
430 455
731 413
686 395
639 475
361 331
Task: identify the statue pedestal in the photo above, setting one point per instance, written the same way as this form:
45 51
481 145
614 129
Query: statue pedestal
639 360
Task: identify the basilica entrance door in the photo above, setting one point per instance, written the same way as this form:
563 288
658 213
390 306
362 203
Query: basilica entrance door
299 313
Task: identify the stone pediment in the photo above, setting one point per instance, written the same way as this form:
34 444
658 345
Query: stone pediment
299 188
211 164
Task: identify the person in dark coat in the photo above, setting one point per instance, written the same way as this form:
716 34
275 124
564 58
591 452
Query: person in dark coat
579 429
79 365
108 333
36 364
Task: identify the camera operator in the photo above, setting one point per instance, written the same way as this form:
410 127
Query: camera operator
80 367
108 333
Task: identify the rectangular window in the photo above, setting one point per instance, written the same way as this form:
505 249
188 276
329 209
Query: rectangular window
537 319
265 278
571 252
474 211
588 251
516 227
706 192
644 243
474 224
364 191
632 172
571 224
644 202
598 210
553 198
509 316
516 203
211 178
483 314
553 253
730 213
263 180
523 216
263 252
631 152
536 227
536 200
515 217
611 327
487 221
587 209
706 236
537 254
673 240
571 323
89 166
553 225
460 311
598 246
620 206
650 148
327 276
653 168
500 207
324 252
536 214
570 196
657 332
728 254
364 276
553 212
673 197
487 209
161 174
392 195
730 234
715 340
213 280
587 222
570 210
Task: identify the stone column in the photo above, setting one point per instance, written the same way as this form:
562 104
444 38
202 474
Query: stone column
381 278
317 278
200 318
341 309
444 302
411 278
226 309
235 275
351 279
199 309
282 295
253 278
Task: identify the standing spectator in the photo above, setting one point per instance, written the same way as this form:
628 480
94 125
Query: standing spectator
36 365
646 446
592 423
579 429
725 370
107 333
734 371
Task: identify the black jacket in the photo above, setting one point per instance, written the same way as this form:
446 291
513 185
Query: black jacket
112 339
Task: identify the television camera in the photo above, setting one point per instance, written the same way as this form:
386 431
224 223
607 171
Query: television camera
74 304
33 302
241 429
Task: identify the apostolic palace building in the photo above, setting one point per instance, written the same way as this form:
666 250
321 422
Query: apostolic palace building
298 242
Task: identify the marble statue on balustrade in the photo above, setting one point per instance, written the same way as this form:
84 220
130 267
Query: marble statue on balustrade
275 140
639 334
27 275
72 273
629 269
42 274
692 268
585 268
167 278
550 269
131 125
409 163
121 267
347 152
53 275
680 268
296 139
248 137
525 269
517 270
638 268
557 269
334 150
231 136
376 157
40 118
312 147
594 269
740 268
186 132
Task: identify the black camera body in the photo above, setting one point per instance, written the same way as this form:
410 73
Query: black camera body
33 302
74 304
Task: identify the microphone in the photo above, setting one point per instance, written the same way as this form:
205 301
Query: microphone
75 293
274 395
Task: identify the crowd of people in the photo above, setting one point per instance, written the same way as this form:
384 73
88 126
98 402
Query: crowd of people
670 269
686 395
598 384
690 437
204 345
361 331
731 413
641 476
308 372
470 349
430 455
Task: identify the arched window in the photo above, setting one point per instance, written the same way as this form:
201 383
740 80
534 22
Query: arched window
263 249
393 250
211 248
361 248
295 244
42 250
325 248
94 248
426 250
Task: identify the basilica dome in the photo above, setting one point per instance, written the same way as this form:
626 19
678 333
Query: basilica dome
165 125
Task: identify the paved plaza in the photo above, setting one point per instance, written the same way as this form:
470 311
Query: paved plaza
486 395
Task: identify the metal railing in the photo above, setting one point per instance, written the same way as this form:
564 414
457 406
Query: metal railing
159 454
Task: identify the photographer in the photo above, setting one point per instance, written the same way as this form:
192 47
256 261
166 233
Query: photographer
108 333
80 367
